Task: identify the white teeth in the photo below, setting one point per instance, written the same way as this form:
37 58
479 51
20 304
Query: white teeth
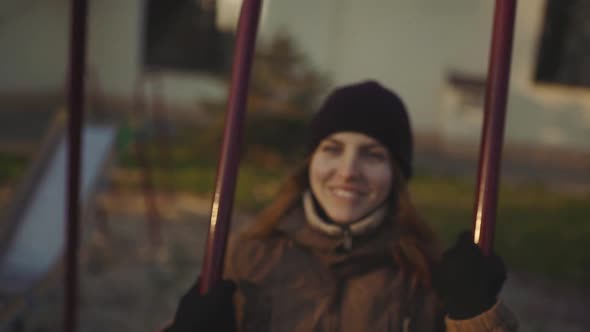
345 193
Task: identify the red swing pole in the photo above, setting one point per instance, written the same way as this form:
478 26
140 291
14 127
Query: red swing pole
75 92
225 183
493 125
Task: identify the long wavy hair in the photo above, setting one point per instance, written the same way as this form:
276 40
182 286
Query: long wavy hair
416 249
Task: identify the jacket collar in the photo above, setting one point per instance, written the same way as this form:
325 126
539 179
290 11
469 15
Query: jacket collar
369 250
362 226
331 248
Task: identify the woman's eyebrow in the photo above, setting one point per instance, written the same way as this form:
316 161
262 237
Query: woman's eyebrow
333 141
369 146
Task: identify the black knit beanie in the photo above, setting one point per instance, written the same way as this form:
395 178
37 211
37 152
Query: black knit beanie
370 109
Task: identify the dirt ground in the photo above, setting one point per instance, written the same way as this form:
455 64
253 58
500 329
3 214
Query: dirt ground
127 286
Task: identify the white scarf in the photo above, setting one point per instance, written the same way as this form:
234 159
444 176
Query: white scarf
359 227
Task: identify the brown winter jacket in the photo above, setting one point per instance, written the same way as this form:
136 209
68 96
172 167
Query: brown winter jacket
299 279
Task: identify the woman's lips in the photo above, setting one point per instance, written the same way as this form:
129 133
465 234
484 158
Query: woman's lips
346 192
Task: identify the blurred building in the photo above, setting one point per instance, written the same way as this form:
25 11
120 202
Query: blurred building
434 53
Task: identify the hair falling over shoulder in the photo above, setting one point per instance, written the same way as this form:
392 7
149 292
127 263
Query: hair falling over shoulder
287 198
415 250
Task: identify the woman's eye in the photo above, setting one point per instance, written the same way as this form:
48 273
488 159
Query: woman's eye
330 149
376 156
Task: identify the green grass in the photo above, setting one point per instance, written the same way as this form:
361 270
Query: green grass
537 230
12 166
255 186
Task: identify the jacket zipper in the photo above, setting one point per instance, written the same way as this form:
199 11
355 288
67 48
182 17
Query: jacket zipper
347 241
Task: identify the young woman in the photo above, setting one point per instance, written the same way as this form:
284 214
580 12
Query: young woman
342 248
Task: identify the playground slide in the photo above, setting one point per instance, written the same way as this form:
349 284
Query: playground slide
37 239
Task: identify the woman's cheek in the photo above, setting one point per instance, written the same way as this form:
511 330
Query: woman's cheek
322 165
380 175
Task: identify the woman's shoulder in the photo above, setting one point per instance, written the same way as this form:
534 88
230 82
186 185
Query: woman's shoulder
252 258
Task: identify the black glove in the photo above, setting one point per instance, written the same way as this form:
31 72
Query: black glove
213 311
467 281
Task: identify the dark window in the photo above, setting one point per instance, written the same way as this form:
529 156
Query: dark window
182 35
564 53
470 90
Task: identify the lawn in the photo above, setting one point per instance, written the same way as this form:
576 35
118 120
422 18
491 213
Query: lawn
12 167
539 230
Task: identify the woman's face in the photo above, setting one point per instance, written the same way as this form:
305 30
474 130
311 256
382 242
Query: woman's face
350 175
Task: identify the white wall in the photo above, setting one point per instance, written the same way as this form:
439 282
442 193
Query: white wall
406 44
115 41
35 51
34 46
409 45
538 113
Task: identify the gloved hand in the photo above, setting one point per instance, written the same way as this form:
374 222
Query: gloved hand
467 281
213 311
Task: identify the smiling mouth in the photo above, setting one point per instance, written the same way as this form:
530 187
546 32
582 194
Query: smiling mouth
346 193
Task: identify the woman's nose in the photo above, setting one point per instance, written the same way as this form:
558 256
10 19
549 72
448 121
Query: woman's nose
349 167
